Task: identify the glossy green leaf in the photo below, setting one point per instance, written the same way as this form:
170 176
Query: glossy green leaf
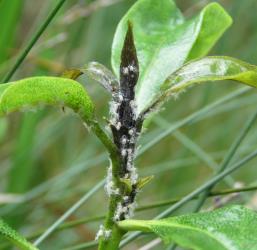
214 68
34 92
229 228
14 237
164 41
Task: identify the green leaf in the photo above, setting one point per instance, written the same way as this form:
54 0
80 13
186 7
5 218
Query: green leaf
143 181
229 228
164 41
214 68
34 92
14 237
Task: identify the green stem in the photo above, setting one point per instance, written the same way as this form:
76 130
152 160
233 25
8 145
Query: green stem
111 243
134 225
114 241
112 150
105 139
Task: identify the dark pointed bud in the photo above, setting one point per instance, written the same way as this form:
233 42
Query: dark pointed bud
129 67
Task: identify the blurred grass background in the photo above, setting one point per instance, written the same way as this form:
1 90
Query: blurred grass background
50 159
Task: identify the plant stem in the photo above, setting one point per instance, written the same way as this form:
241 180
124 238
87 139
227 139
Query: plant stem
122 178
135 225
106 141
116 234
114 241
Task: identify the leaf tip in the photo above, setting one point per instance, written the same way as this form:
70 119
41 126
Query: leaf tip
72 74
222 12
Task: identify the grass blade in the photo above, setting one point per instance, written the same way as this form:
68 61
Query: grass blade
34 39
77 205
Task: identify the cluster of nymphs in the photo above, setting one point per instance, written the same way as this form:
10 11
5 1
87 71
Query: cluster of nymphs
126 126
102 232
